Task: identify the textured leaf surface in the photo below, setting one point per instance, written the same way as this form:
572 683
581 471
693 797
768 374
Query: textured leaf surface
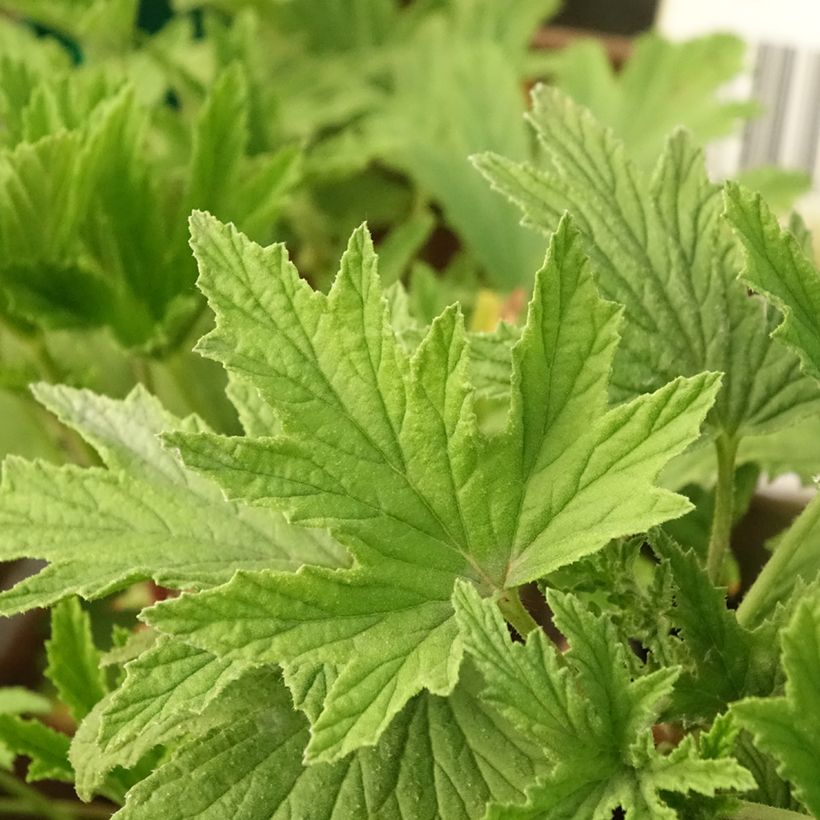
383 448
778 266
789 727
144 516
592 719
440 758
726 661
164 688
46 749
73 659
661 250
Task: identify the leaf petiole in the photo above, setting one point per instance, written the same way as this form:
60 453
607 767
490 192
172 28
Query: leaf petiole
515 613
724 497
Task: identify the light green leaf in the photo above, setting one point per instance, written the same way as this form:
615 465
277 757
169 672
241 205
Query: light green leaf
15 700
146 516
777 266
219 142
257 417
163 689
661 250
779 187
46 749
103 24
788 727
440 758
661 86
401 245
44 190
383 448
592 719
73 660
462 94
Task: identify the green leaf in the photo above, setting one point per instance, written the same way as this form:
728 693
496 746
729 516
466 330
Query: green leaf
73 660
383 448
145 516
45 188
788 727
462 94
442 758
592 719
779 187
725 660
661 86
402 244
163 689
661 250
219 142
68 262
105 24
777 266
46 749
15 700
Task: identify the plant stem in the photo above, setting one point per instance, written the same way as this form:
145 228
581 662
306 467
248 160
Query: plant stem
724 502
515 613
759 811
143 373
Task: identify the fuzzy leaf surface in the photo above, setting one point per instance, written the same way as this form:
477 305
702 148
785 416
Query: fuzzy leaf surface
778 266
144 515
788 727
441 758
661 250
164 688
588 713
382 447
726 660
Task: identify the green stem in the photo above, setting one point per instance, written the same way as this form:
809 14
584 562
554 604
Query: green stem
144 374
759 811
515 613
723 515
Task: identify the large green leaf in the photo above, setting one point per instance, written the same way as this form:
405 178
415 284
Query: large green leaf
660 250
383 448
440 758
144 516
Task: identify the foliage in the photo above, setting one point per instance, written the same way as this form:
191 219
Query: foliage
414 563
